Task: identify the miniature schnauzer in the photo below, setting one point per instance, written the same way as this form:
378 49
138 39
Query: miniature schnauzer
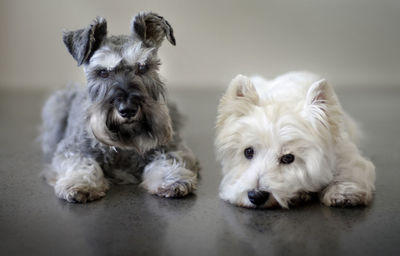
120 128
280 140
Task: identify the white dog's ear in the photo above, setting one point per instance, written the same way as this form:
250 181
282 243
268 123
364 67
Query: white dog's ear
320 94
242 87
320 97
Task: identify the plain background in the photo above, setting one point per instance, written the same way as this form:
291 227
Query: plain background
352 43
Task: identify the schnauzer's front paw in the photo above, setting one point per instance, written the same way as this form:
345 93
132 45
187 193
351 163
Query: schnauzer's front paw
168 180
84 196
81 193
345 194
177 189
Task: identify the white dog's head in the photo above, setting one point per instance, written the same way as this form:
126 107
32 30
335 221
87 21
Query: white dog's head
275 139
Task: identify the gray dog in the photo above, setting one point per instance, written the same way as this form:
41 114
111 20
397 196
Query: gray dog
120 128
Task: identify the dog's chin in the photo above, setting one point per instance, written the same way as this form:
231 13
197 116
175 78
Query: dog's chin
122 133
124 138
242 200
271 203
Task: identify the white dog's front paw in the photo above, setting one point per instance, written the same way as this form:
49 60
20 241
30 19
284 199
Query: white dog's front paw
345 194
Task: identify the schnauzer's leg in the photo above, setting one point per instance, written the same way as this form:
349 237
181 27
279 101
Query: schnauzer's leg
171 174
353 185
77 179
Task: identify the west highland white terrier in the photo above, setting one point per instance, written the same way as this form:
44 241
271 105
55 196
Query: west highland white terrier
279 141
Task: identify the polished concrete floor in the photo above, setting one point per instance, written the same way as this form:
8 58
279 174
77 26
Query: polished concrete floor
130 222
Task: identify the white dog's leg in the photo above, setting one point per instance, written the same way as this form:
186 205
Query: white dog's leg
77 179
172 174
354 183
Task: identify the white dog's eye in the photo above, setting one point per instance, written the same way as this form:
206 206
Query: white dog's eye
287 159
249 152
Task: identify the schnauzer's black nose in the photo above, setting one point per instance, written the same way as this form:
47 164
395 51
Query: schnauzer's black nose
258 197
127 110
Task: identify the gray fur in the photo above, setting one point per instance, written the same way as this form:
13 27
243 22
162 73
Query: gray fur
152 29
83 42
86 133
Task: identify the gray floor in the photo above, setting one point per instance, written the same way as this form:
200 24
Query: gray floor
130 222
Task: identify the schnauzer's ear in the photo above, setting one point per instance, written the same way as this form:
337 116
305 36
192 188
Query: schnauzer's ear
152 28
242 87
83 43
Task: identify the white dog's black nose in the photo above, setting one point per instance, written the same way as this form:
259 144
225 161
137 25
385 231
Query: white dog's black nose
258 197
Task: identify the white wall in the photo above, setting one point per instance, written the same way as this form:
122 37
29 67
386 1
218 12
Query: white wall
350 42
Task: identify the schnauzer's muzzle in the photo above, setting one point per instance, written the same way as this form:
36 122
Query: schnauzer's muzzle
128 110
128 104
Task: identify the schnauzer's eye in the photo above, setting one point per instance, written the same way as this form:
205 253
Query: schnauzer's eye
142 68
249 152
104 73
287 159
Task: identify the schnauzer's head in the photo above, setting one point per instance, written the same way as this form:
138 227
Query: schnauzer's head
275 145
127 105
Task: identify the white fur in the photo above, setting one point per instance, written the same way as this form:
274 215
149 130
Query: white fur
296 113
105 57
135 54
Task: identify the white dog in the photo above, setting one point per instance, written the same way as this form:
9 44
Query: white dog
280 140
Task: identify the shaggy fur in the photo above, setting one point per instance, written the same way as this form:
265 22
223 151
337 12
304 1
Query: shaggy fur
301 142
120 125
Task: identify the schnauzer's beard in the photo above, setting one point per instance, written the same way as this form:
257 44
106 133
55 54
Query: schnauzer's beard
149 128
